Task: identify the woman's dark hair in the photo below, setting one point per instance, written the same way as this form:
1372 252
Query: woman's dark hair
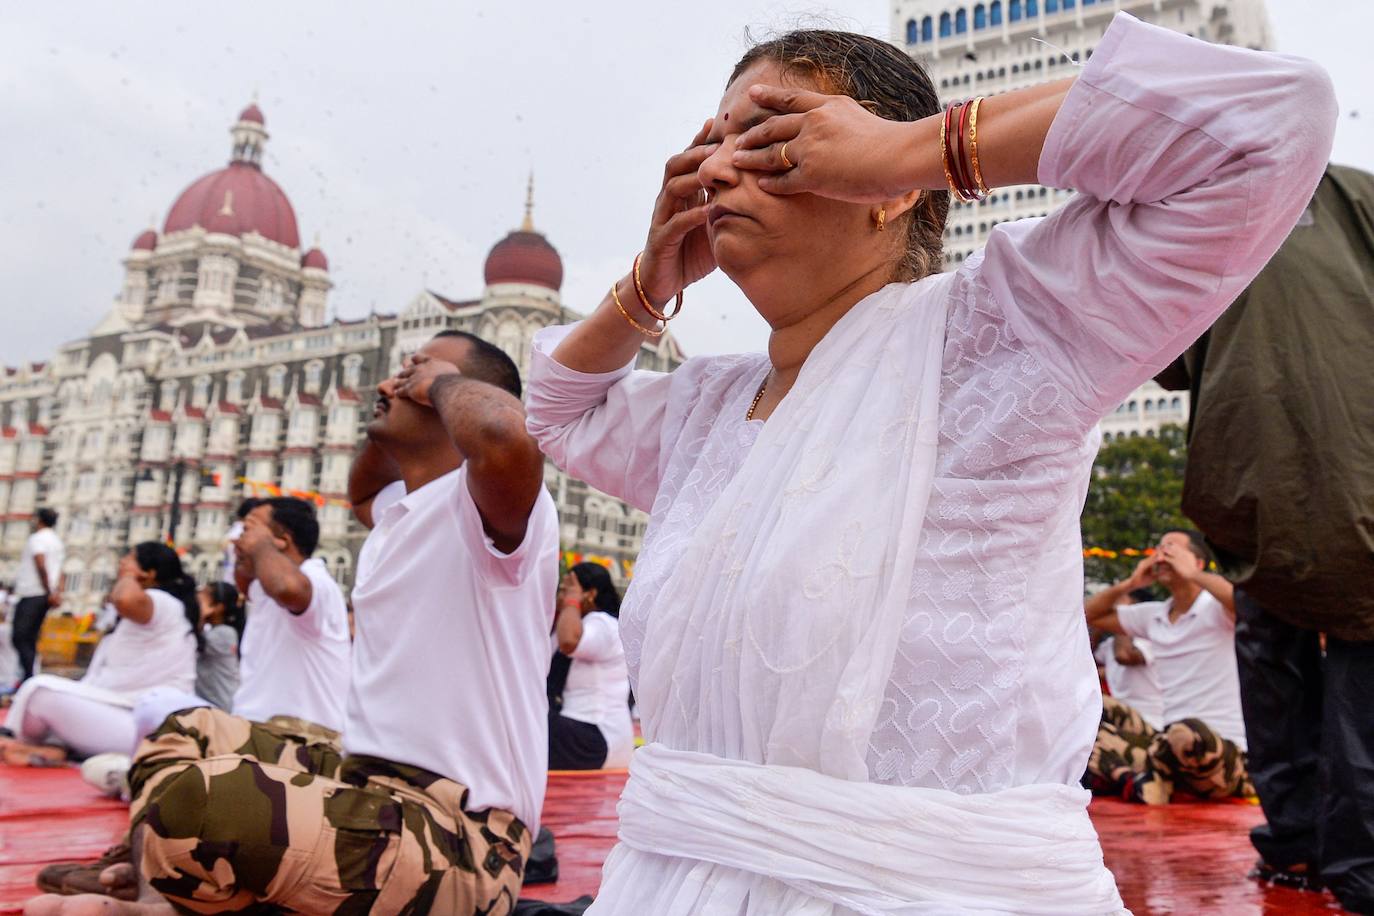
595 576
888 83
168 575
227 596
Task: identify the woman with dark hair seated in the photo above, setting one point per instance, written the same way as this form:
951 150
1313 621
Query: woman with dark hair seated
855 630
217 669
589 687
154 644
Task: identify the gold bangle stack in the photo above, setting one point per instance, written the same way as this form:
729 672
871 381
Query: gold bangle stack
647 332
644 300
973 146
944 160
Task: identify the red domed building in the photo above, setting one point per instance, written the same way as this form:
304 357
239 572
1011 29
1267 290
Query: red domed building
229 251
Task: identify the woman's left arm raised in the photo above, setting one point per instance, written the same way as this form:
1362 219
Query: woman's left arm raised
1193 161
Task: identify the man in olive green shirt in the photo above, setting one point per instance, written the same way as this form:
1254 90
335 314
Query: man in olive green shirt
1281 481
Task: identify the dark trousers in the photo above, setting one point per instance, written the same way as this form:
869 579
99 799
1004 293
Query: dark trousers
575 745
28 623
1310 727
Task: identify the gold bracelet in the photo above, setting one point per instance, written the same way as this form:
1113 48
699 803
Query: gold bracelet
944 159
647 332
644 300
973 146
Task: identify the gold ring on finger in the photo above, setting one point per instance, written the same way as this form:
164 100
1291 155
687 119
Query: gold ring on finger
786 163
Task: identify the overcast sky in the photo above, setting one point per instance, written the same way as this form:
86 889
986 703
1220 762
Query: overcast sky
403 137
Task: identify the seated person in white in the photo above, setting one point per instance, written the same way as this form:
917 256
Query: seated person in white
295 653
589 685
1201 746
1127 667
153 645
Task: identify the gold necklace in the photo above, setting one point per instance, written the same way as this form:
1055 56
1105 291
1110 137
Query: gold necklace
754 405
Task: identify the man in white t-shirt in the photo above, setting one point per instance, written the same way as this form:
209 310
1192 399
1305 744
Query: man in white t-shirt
1192 637
295 652
38 586
434 806
1126 663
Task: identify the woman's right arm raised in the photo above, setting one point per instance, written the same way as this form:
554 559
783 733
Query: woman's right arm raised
590 413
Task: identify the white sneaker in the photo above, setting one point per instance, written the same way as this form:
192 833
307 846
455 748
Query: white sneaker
109 773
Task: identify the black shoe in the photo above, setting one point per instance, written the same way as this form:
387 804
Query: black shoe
1302 876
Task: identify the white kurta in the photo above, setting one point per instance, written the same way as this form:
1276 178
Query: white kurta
1192 161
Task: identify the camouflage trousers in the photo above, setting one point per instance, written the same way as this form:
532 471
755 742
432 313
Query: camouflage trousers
1133 760
248 817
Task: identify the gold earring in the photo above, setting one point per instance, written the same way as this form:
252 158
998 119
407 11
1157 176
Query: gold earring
881 219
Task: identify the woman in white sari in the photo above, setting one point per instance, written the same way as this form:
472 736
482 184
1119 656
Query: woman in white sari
855 631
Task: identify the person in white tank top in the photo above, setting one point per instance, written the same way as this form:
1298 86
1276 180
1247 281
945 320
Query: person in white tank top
154 645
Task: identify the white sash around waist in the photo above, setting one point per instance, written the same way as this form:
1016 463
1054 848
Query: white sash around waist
867 847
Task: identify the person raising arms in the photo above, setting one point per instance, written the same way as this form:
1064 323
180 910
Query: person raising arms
855 630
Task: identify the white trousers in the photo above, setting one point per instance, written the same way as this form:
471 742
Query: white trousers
88 720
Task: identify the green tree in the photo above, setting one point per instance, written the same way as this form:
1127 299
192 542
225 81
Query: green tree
1134 495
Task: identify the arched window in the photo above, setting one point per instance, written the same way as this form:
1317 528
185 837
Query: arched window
995 13
944 25
1150 433
1015 69
912 32
980 17
1001 71
927 29
1176 403
1014 10
1107 437
961 21
1132 406
1039 65
1149 406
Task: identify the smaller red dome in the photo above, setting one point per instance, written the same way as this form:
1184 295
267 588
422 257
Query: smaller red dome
524 257
252 113
315 258
146 241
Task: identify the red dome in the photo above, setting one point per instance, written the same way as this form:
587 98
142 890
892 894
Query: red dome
315 258
146 241
525 257
252 113
237 199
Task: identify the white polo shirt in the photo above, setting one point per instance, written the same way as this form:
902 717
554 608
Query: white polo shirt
598 686
296 664
452 644
1195 659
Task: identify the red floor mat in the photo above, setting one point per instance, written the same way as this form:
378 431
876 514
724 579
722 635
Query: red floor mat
1187 858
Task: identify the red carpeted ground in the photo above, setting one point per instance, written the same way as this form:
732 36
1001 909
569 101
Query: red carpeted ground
1187 858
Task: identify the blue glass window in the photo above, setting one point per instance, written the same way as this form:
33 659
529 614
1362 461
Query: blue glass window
961 21
1032 8
945 30
980 17
1068 4
1014 10
995 13
927 28
1051 6
911 33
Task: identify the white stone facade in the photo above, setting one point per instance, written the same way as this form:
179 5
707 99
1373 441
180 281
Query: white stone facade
992 46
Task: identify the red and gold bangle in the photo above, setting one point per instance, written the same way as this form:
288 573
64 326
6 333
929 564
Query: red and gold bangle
644 300
647 332
973 148
970 187
945 156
